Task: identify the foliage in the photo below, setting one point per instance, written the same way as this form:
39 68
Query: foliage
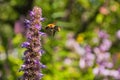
80 21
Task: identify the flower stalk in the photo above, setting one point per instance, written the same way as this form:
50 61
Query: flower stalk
32 65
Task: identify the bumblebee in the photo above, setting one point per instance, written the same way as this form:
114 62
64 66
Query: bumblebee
51 29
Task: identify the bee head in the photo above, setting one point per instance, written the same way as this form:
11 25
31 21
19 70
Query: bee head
51 25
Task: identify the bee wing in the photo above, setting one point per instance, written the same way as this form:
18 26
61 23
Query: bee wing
57 28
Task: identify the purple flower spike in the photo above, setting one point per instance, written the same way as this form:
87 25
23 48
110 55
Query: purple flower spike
25 44
32 65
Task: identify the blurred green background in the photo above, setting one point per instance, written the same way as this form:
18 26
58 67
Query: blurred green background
79 19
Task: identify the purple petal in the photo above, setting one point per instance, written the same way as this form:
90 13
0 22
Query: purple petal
32 13
42 19
27 23
26 52
103 34
106 44
38 27
88 49
22 68
36 62
42 34
25 44
25 73
40 75
28 60
41 52
29 36
42 66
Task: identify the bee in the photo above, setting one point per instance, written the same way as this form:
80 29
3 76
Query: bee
51 29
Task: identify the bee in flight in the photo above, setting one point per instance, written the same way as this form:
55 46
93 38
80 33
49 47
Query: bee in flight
51 29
